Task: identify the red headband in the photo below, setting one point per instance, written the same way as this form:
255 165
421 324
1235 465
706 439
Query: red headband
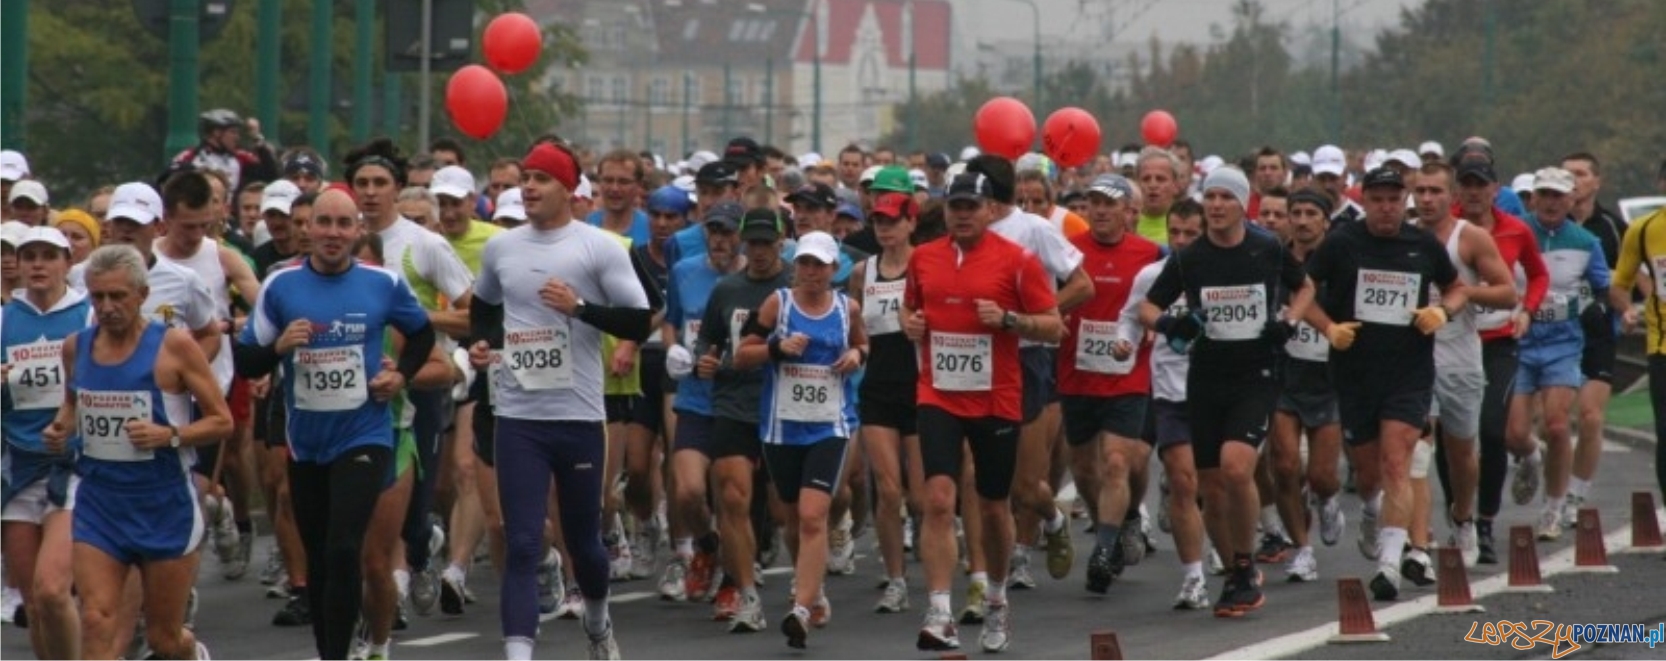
558 164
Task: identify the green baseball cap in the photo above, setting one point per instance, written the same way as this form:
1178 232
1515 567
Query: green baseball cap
892 178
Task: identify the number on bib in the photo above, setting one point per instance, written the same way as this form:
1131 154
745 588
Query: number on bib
539 358
808 393
1234 313
962 362
102 417
36 377
1094 342
330 379
1386 297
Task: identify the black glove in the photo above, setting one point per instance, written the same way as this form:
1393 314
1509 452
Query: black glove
1278 331
1183 327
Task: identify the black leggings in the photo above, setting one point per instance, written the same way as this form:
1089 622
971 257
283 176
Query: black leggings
429 408
1657 402
1499 359
333 503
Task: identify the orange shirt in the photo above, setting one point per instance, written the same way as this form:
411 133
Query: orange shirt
968 369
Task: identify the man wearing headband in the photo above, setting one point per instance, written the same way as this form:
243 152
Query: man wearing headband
542 321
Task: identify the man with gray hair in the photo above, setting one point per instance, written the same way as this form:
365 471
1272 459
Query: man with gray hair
1159 174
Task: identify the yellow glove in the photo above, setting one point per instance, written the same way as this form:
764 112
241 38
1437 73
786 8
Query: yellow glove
1429 319
1341 335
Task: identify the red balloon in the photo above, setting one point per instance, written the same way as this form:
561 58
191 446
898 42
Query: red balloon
511 42
477 101
1004 126
1159 128
1070 136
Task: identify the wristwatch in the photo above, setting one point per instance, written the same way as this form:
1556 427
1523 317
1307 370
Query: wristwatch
173 438
1009 320
578 308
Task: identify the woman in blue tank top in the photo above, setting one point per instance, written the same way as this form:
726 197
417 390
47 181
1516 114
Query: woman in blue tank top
813 340
131 386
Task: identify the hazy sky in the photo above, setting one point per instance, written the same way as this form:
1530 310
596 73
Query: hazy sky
1170 20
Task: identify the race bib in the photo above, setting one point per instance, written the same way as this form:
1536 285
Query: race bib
36 377
1094 340
330 379
737 321
882 307
808 393
1234 313
1557 307
1386 297
539 358
1659 278
1308 344
691 334
102 417
962 362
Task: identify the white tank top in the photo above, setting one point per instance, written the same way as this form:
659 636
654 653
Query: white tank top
1458 343
1057 216
205 262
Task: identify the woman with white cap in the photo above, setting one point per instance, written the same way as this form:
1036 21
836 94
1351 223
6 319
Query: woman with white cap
813 340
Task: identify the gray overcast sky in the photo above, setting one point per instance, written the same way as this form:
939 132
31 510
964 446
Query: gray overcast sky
1170 20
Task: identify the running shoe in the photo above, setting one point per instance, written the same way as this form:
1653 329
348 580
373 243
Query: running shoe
937 633
1194 594
975 603
1570 510
1368 531
841 549
10 605
552 583
1060 553
295 612
452 582
1101 570
1385 585
673 584
1465 540
273 573
700 574
821 612
749 618
572 605
644 543
619 560
1415 566
895 599
1550 524
1525 484
604 647
223 521
1332 522
425 587
1212 562
1018 572
997 628
239 564
726 604
1133 541
1303 568
1274 549
1485 553
792 625
1226 605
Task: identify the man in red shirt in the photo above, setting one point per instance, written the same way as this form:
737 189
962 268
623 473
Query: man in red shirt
1104 387
970 296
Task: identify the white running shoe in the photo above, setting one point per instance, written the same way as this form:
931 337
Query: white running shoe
1332 522
1194 594
1525 484
1368 531
1302 568
1550 524
1465 540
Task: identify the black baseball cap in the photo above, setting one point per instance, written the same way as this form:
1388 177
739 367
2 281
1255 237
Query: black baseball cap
1382 177
970 186
818 195
303 163
717 172
725 214
760 224
1476 167
938 161
743 152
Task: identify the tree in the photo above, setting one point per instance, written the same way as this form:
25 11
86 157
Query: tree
98 89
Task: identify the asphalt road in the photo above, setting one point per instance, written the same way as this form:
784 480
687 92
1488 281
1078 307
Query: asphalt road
1053 621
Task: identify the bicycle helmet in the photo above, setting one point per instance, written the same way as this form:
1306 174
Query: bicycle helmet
219 118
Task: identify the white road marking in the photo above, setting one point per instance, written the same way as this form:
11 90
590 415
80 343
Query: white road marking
440 639
1301 641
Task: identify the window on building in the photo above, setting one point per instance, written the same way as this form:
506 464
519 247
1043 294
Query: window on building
621 89
659 91
594 88
692 93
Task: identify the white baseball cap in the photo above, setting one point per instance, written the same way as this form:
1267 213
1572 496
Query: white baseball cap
1432 147
1523 183
584 190
453 181
969 153
1375 159
279 196
819 245
1329 159
809 159
28 189
869 174
918 177
1209 163
49 235
13 231
13 166
1405 157
509 205
1556 179
1302 158
135 201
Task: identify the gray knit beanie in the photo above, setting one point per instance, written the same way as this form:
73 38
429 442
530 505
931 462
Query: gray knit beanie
1231 180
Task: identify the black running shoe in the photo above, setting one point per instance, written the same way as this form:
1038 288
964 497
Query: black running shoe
1101 569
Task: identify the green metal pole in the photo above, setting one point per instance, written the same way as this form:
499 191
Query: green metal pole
1335 68
1040 104
267 38
318 91
769 101
728 102
364 30
14 81
392 110
182 76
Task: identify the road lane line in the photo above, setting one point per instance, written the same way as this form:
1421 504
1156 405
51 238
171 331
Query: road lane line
440 639
1302 641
